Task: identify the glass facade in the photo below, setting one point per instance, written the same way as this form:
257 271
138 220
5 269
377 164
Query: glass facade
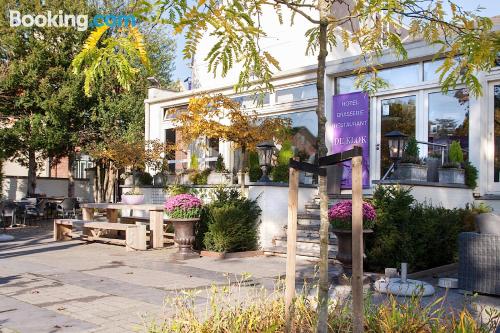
296 94
496 112
251 101
449 118
345 85
401 76
397 114
430 68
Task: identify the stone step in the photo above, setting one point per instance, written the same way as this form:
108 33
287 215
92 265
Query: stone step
306 254
309 245
308 219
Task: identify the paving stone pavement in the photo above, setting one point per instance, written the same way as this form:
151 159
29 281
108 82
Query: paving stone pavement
72 286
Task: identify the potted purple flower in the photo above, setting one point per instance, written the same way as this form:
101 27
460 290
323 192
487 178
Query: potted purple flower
184 211
340 216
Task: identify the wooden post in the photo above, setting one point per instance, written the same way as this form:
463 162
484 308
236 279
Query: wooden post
291 240
88 214
357 244
112 215
324 234
156 228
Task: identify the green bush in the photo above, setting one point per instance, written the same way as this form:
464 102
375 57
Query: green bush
280 173
219 164
455 153
176 189
254 171
194 164
470 175
232 222
420 234
145 178
411 152
200 178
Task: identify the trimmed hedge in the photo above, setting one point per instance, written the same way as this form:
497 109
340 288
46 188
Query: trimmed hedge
420 234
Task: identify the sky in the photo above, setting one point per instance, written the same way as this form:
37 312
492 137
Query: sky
182 71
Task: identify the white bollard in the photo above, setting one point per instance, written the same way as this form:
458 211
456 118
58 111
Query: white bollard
404 271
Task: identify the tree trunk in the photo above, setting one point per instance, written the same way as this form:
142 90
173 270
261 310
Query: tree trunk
110 185
32 169
71 179
244 155
98 183
322 151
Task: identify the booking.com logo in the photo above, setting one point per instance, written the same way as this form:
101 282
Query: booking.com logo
61 20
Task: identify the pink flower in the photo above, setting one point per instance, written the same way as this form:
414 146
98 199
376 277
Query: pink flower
343 210
182 202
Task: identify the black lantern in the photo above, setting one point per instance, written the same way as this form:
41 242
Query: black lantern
397 143
265 151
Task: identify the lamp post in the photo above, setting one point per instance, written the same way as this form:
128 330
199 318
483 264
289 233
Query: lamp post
265 152
397 143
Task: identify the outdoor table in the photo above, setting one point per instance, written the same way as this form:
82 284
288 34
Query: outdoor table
155 216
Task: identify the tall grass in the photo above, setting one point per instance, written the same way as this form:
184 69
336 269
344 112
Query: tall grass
250 309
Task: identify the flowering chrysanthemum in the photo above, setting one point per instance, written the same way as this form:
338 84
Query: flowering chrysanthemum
183 206
340 215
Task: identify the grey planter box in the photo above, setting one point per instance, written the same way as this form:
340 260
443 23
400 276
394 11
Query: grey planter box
433 164
451 175
411 172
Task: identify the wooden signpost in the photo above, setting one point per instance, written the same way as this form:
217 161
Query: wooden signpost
355 155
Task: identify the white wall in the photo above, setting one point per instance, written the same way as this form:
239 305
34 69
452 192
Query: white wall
273 201
15 188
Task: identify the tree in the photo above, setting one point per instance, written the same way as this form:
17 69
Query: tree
35 85
372 25
220 117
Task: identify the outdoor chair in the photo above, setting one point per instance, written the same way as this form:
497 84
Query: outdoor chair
67 208
479 257
36 212
8 210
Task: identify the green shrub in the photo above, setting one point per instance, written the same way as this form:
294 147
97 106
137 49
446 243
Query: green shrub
285 153
455 153
420 234
254 170
200 178
145 178
232 222
194 164
219 164
470 175
175 189
260 310
411 152
280 173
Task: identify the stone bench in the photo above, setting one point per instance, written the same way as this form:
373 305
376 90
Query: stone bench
135 235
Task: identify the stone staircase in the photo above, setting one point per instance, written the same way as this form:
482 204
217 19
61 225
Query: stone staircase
308 223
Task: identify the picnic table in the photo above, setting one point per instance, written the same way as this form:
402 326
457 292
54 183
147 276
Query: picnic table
155 216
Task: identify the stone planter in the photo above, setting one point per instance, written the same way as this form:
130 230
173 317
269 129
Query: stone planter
451 175
433 164
216 178
411 172
184 238
159 180
344 241
133 199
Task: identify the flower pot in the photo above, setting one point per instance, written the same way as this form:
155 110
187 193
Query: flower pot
433 164
411 172
159 180
133 199
451 175
184 238
344 243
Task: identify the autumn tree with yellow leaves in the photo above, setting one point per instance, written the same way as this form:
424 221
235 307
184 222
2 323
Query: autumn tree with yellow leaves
217 116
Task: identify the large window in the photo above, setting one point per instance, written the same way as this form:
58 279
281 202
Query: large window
430 68
449 118
397 114
345 85
251 101
304 133
296 94
401 76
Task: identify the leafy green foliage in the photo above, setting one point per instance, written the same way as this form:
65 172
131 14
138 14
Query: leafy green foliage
411 152
280 172
200 178
219 164
255 172
175 189
233 222
193 163
471 175
407 231
455 154
145 178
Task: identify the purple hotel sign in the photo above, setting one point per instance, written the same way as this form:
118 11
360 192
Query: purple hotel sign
351 126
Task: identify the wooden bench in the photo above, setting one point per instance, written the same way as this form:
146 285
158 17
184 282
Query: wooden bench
135 235
140 220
